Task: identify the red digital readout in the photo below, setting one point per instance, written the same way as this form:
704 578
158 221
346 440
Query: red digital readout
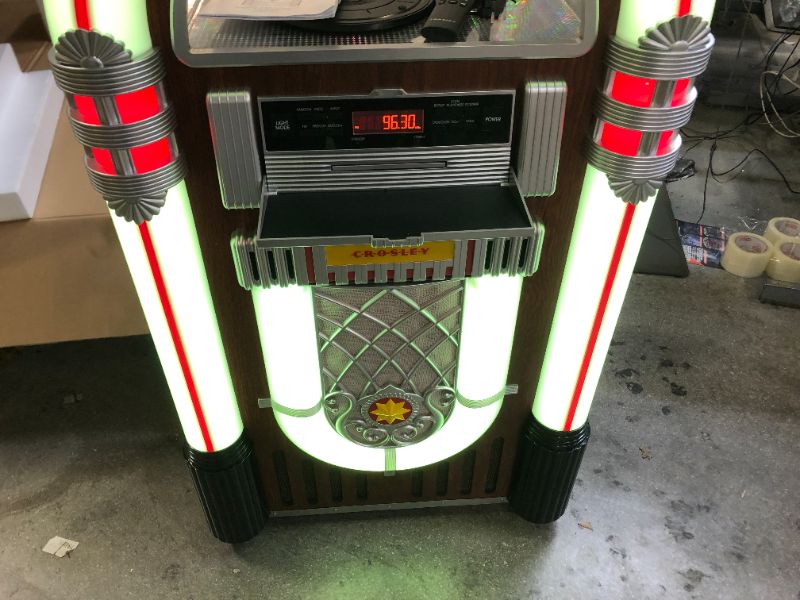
388 121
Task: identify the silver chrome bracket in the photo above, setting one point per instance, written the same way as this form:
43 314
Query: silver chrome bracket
675 51
96 71
539 146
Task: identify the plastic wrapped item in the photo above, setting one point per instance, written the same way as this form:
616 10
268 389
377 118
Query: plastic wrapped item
747 255
784 265
783 229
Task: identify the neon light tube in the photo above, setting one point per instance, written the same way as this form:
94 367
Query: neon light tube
487 333
60 17
286 327
286 324
637 16
600 214
605 243
139 268
123 20
164 255
178 249
315 436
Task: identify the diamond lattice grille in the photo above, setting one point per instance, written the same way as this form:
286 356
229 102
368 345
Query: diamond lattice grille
371 337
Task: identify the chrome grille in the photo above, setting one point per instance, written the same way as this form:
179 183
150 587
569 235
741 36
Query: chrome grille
372 337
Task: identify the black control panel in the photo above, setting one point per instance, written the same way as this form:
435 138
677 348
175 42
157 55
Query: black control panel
379 122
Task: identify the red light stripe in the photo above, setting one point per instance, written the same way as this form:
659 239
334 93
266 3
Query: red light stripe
103 160
685 7
616 257
151 156
177 341
139 105
82 18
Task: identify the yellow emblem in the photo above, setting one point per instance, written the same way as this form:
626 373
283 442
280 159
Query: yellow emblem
390 411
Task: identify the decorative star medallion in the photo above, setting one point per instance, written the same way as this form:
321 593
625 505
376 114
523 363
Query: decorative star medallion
391 417
389 410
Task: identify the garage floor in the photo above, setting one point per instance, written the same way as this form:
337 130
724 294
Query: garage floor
690 483
689 487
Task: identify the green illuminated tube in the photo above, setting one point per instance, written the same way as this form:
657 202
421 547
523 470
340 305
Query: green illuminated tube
600 214
124 20
179 255
286 327
598 221
178 248
315 436
487 334
60 17
135 256
637 16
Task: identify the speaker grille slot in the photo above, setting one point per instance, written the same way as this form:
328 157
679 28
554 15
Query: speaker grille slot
495 456
467 472
416 484
442 477
361 486
310 482
335 476
282 475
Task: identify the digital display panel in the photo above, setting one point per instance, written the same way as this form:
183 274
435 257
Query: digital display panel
366 122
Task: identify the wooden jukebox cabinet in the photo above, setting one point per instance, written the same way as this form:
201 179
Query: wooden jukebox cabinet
337 232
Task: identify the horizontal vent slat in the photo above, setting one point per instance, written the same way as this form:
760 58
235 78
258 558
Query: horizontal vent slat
428 174
293 171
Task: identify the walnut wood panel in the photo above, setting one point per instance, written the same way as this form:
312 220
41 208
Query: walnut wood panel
188 87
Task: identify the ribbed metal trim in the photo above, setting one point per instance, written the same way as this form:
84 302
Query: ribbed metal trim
233 128
658 64
109 81
540 138
481 403
242 248
296 412
140 185
390 461
643 119
633 167
124 137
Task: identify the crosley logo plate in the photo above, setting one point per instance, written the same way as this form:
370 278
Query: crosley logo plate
341 256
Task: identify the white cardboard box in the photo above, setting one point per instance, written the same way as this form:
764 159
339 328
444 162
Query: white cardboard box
29 108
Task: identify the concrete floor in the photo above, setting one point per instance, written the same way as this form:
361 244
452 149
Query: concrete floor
702 378
689 482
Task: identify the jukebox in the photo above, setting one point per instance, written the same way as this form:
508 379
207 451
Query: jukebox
382 253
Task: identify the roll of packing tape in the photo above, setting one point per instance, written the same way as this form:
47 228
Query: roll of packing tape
783 229
785 263
746 254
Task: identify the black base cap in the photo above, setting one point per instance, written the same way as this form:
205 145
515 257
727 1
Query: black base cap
546 467
228 485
